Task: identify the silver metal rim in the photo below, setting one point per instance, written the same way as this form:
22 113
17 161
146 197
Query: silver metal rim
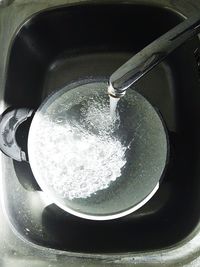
109 217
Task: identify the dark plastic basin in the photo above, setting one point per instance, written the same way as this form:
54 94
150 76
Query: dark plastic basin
59 46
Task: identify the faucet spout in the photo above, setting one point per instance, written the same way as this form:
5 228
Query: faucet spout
149 57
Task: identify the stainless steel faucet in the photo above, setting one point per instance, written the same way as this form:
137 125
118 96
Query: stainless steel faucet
144 61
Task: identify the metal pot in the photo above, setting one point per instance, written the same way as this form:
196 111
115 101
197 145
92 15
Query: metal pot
141 133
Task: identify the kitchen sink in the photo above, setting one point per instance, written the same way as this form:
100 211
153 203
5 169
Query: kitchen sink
61 45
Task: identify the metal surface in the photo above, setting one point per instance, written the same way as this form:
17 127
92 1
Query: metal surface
149 57
9 124
16 250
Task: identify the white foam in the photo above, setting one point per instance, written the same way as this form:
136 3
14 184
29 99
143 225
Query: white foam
80 157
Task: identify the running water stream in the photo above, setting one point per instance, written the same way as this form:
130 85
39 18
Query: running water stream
113 107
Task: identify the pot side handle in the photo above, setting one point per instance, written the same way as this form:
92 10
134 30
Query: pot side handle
10 120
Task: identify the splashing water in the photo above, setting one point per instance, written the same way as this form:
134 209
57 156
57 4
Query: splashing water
80 148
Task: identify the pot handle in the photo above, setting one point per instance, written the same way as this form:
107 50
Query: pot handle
10 120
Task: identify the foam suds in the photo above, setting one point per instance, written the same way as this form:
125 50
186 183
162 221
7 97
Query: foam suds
80 157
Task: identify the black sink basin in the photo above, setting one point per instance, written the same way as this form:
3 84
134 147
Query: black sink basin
62 45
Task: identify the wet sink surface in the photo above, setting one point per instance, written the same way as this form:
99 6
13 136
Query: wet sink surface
60 46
